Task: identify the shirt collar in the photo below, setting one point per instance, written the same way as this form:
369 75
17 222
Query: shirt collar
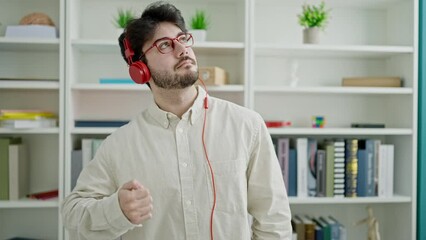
193 113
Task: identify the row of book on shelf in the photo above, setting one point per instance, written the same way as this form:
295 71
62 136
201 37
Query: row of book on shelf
336 167
17 119
81 156
317 228
14 172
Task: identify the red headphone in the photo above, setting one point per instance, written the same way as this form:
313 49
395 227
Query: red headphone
139 71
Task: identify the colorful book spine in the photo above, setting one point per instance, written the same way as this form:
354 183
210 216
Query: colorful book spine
351 168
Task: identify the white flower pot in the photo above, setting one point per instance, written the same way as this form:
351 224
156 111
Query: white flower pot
311 35
199 35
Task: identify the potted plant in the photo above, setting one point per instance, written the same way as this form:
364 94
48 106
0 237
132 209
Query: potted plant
199 25
122 18
313 18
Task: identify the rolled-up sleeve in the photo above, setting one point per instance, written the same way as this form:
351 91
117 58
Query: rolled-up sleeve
267 197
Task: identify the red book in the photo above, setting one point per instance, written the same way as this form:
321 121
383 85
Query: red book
44 195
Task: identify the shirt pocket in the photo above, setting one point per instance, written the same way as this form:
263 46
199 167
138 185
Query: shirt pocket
231 185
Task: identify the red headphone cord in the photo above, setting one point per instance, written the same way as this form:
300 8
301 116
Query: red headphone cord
208 161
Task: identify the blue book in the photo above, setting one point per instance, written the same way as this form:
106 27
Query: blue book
292 173
362 184
371 156
116 81
99 123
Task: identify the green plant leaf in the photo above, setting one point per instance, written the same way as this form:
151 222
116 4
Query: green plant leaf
123 18
199 20
314 16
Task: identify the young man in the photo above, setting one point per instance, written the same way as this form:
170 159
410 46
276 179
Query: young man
151 179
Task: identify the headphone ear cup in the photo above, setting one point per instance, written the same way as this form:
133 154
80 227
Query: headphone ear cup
139 72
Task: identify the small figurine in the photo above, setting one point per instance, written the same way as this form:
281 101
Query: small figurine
373 225
294 79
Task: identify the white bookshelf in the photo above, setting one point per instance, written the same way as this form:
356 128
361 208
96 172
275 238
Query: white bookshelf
363 38
34 69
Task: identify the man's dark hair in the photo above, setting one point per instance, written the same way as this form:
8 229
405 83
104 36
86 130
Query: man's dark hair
141 30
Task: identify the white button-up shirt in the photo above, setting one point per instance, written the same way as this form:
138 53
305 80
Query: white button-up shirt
165 154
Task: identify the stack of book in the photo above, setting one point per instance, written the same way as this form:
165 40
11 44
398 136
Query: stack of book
27 119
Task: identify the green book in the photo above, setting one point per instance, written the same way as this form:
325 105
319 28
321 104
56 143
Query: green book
4 165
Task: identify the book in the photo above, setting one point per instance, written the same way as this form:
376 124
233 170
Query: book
351 163
86 147
367 125
298 227
18 171
372 82
292 173
321 173
385 170
27 123
100 123
311 167
31 31
302 167
44 195
76 166
329 165
339 168
116 81
4 165
309 227
6 114
283 147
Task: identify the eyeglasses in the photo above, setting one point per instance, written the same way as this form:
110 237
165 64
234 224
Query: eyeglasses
166 45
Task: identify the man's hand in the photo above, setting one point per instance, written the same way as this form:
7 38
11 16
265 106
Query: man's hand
135 202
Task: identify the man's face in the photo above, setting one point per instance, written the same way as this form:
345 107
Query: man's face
174 70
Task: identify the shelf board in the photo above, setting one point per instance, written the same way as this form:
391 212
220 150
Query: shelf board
29 131
99 45
137 87
321 51
28 44
333 90
357 200
36 85
92 130
340 131
30 203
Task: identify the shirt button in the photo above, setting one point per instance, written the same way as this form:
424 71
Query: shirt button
185 164
188 202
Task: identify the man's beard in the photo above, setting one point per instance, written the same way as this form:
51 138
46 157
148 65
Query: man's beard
174 81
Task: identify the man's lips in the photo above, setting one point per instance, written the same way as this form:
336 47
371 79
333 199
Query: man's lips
184 62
